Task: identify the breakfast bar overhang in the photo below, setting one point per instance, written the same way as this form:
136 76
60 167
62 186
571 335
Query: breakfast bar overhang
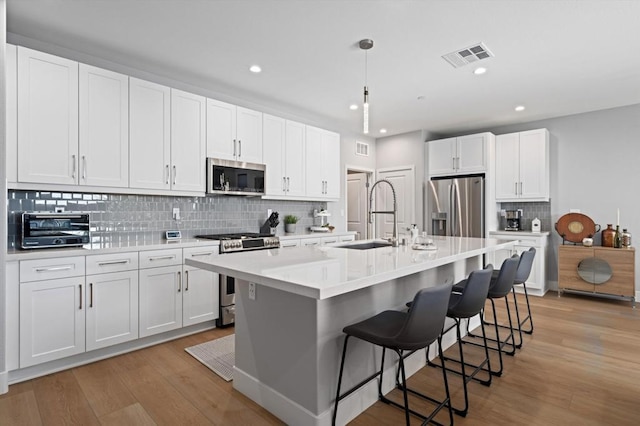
288 332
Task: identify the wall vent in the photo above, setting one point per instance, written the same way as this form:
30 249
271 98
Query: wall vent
468 55
362 149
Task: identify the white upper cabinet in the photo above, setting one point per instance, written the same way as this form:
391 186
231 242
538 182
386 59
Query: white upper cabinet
11 101
522 166
188 144
149 137
322 163
47 118
233 132
284 152
104 128
461 155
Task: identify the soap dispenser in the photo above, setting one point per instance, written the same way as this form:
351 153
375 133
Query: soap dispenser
414 233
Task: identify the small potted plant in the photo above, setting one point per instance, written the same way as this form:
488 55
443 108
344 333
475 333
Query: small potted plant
290 223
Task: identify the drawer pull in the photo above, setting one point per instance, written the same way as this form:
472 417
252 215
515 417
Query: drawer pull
114 262
173 256
91 295
186 280
80 285
208 253
55 268
179 282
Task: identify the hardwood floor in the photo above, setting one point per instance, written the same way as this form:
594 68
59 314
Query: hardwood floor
581 366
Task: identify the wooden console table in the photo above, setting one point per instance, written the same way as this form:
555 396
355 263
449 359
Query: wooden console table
597 271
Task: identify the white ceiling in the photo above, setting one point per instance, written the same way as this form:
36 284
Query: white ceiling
556 57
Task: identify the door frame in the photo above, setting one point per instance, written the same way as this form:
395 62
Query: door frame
371 176
412 169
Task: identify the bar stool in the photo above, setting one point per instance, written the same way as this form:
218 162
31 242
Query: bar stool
522 275
400 332
467 305
498 289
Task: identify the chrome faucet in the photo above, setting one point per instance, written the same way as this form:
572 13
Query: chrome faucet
394 238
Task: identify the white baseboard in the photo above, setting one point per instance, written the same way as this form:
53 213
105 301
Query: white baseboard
4 382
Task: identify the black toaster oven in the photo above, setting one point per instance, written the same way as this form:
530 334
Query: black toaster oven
40 230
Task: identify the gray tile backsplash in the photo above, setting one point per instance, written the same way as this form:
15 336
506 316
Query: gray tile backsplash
126 217
541 210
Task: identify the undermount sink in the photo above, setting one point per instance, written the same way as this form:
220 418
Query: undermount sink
366 246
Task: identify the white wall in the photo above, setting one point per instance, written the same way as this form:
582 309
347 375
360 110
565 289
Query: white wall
407 149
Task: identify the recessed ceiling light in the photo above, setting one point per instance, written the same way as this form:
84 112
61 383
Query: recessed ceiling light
519 108
353 107
383 130
255 68
479 70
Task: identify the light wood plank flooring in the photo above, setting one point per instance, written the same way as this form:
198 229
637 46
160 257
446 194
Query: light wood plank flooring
581 366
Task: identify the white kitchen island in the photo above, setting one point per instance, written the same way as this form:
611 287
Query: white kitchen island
289 338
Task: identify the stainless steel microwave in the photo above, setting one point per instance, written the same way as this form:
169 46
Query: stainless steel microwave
41 230
235 177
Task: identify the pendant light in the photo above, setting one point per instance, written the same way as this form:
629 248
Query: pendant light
365 44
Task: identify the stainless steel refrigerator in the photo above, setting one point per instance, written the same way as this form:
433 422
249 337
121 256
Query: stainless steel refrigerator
455 206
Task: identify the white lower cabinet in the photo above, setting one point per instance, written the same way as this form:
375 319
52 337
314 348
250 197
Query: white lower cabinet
52 320
52 309
160 299
537 281
112 309
201 297
172 295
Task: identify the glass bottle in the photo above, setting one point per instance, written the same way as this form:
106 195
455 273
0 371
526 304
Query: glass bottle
626 238
617 238
608 236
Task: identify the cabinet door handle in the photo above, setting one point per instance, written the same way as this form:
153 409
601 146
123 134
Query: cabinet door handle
80 286
175 173
84 167
186 280
520 188
284 184
73 170
113 262
179 281
151 259
516 188
166 168
204 253
288 184
91 295
234 148
453 163
239 148
55 268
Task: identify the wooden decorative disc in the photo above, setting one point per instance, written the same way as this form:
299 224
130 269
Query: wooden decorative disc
575 226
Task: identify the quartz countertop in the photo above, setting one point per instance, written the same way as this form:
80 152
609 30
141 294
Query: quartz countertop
119 245
325 271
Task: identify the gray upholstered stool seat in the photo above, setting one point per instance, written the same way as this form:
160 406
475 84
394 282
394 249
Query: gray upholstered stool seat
402 332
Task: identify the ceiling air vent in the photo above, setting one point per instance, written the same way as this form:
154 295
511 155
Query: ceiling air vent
362 149
468 55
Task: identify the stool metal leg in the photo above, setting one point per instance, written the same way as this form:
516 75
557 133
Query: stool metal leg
528 317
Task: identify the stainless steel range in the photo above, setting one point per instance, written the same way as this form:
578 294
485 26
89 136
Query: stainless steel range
236 243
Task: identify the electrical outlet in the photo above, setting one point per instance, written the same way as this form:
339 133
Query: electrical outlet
176 213
252 291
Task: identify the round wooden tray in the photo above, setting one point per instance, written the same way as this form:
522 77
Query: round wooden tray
576 226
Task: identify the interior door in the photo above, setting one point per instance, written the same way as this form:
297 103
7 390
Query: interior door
357 200
402 180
